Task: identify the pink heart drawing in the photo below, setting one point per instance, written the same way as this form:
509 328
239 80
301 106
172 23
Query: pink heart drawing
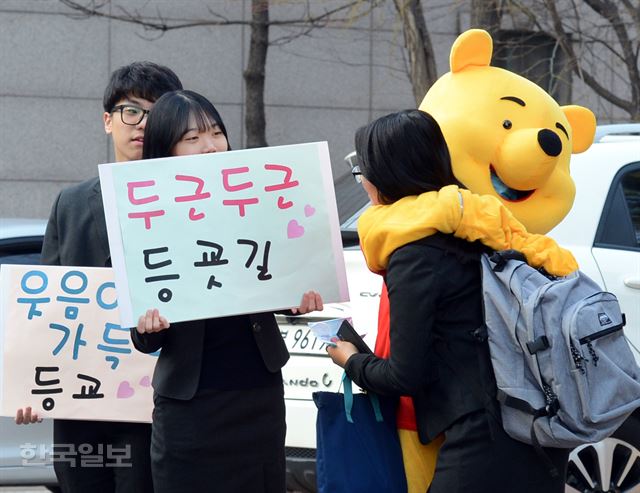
145 381
125 390
294 230
309 210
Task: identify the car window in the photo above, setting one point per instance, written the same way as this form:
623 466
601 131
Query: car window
631 190
351 224
620 221
20 258
349 229
350 197
20 250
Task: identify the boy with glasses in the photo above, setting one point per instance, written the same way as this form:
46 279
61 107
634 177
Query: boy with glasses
76 235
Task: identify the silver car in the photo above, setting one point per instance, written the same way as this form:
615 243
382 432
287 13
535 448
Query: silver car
25 451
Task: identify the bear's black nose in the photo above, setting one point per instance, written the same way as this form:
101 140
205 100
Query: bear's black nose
550 142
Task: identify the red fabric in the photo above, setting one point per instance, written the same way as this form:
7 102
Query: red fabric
383 344
406 418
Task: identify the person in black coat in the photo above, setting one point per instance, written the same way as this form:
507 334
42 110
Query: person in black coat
219 414
437 356
76 235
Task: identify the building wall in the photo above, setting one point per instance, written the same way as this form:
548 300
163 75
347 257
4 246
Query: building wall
55 68
321 86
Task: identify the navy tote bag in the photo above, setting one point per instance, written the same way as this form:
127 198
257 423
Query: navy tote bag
358 449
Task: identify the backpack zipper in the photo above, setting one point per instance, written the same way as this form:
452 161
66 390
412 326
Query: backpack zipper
578 358
597 335
601 333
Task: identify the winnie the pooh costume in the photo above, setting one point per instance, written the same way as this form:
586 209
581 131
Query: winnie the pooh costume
507 137
509 142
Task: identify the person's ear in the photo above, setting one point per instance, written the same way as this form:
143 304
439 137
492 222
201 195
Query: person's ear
108 121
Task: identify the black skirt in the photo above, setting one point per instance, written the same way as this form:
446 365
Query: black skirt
479 457
229 441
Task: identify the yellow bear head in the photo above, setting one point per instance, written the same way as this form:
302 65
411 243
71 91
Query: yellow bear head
507 136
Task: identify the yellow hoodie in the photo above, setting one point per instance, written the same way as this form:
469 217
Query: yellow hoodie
385 228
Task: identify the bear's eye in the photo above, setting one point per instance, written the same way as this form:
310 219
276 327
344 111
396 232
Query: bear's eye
507 124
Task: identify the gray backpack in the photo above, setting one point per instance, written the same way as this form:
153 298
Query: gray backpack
564 370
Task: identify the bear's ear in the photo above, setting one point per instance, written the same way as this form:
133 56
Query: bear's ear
472 47
583 125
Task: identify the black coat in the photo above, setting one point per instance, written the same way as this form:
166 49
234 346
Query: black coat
435 300
177 372
76 232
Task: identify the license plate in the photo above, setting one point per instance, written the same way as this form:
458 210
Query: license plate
300 340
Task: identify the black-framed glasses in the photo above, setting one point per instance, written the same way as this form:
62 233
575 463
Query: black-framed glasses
357 174
130 114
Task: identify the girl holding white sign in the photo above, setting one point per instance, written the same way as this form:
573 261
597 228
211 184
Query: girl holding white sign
219 415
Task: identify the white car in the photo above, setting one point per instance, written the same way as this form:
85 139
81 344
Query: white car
603 232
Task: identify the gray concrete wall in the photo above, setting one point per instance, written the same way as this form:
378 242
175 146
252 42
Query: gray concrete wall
53 70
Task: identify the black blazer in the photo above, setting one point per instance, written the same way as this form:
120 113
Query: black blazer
177 372
76 235
435 302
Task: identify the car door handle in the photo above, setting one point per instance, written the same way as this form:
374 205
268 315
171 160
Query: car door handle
632 283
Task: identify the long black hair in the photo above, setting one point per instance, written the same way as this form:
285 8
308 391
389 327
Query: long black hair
168 121
404 154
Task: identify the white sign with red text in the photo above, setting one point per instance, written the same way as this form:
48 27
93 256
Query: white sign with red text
225 233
